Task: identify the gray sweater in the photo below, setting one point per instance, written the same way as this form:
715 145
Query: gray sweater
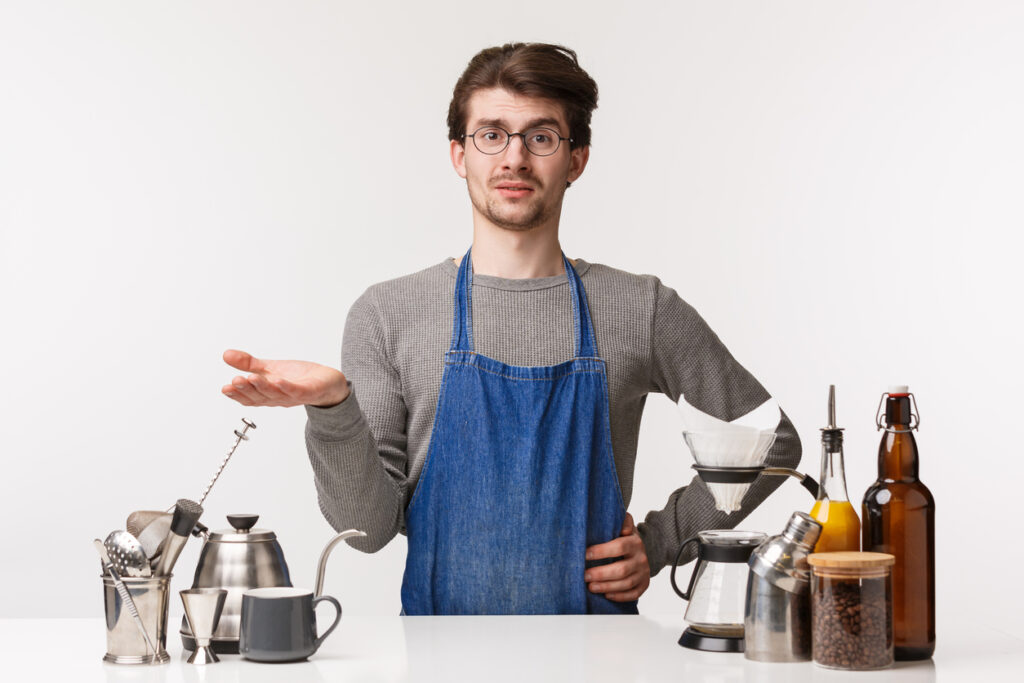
368 451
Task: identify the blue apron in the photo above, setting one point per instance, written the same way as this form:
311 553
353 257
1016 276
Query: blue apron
519 480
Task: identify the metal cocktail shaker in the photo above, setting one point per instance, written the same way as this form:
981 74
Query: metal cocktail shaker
777 618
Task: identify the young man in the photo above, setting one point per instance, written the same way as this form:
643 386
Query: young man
500 394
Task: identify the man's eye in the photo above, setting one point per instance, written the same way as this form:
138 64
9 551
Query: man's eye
492 135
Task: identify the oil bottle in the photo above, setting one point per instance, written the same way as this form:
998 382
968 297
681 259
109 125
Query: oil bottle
899 518
833 510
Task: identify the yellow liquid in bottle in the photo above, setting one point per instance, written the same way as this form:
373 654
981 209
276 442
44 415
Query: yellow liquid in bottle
840 526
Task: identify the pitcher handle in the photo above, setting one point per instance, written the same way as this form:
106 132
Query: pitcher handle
337 605
693 576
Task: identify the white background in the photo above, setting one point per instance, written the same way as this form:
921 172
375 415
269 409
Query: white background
835 186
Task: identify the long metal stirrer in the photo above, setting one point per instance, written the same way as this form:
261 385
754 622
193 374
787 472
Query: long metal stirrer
241 437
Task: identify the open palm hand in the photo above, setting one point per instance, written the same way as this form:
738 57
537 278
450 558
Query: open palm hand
283 382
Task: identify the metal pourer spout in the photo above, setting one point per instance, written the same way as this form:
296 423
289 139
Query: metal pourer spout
831 406
832 436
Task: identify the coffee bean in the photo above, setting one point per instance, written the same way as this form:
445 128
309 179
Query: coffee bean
851 622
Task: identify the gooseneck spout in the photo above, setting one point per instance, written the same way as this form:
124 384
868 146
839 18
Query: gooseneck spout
322 565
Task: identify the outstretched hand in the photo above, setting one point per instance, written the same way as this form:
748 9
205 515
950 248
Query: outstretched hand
283 382
629 577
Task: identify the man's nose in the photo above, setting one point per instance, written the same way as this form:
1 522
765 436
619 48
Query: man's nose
516 154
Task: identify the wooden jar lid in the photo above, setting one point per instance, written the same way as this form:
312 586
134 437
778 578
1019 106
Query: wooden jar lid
851 560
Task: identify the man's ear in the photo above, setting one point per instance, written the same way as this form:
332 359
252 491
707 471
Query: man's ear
458 154
577 162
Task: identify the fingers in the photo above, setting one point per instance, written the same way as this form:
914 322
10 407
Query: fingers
633 559
287 389
614 548
243 391
632 594
231 392
257 390
619 546
626 579
240 360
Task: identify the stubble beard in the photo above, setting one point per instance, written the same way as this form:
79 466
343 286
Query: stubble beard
536 212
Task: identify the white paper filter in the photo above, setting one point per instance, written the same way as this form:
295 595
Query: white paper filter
744 442
728 497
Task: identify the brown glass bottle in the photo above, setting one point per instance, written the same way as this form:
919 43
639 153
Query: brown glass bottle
899 518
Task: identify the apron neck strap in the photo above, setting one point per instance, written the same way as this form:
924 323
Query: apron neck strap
462 324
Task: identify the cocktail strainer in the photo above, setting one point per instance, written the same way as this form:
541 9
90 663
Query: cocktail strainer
126 554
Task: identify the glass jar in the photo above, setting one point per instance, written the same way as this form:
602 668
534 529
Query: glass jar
851 610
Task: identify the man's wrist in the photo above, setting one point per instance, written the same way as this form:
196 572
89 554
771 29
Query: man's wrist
337 422
336 399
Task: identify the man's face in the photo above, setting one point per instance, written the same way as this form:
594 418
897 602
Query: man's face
515 189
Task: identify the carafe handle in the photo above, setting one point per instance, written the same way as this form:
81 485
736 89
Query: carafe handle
689 588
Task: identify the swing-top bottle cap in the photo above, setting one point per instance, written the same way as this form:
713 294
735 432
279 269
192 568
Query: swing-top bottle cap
898 390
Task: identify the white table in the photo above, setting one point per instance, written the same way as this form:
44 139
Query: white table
562 649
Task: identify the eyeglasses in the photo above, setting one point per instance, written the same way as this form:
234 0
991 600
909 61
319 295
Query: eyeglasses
542 142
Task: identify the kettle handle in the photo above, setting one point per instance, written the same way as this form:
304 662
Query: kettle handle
689 589
321 567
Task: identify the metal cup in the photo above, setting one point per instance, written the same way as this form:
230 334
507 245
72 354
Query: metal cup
202 609
125 644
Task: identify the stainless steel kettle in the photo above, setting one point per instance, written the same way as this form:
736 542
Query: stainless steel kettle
236 560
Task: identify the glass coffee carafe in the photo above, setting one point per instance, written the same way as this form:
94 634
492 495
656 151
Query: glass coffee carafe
717 589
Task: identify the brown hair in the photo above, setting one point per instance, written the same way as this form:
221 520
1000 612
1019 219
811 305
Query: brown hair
533 69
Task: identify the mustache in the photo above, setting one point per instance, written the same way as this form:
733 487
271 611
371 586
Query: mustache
514 178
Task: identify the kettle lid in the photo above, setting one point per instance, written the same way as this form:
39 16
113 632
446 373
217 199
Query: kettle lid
242 530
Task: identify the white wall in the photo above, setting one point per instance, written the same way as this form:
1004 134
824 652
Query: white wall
835 186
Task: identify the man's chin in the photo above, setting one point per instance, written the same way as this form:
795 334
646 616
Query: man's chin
514 226
518 221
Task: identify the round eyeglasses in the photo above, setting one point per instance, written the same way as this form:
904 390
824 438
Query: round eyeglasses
542 142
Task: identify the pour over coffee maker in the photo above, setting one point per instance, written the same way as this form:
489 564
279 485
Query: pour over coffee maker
730 464
729 457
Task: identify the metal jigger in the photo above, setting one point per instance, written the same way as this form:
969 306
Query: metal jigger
202 609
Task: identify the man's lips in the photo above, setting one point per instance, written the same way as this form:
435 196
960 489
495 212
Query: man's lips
513 189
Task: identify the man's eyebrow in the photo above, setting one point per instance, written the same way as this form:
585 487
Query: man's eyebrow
532 123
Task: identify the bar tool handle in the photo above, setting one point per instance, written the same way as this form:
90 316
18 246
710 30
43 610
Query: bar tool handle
186 514
693 577
808 483
806 480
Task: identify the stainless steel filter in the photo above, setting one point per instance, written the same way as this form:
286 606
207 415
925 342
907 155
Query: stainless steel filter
777 614
125 645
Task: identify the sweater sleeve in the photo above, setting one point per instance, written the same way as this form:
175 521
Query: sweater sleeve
688 358
359 458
